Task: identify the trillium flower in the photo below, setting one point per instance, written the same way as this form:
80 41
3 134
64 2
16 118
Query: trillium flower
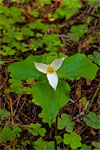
50 70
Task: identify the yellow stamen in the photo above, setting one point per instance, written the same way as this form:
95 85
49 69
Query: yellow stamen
50 70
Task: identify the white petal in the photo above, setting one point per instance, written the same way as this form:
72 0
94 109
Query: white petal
53 79
41 67
56 64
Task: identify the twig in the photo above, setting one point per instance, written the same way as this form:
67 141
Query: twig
11 111
25 127
5 146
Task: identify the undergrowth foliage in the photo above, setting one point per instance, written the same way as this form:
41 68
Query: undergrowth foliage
24 33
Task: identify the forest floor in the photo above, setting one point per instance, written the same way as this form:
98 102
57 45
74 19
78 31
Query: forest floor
25 112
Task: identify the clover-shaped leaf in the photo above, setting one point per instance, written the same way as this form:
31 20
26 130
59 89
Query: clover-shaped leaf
15 86
78 31
66 122
58 139
73 139
4 113
37 129
40 144
7 51
7 134
92 120
95 57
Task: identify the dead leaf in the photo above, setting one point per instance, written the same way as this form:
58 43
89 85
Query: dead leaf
88 82
85 43
78 91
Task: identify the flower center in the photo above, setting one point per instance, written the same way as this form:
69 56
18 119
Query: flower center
50 70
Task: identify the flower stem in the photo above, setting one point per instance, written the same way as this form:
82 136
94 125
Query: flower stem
56 125
93 99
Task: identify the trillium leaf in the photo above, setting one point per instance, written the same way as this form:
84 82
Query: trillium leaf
50 100
92 120
73 139
66 122
77 66
24 69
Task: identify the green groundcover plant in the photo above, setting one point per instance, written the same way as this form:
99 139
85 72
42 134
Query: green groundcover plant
45 74
50 91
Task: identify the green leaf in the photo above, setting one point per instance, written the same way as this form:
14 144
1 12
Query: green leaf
73 3
27 32
42 132
38 25
2 62
38 35
43 145
34 13
53 55
73 139
37 129
52 41
13 14
92 120
30 80
22 47
96 145
59 139
95 57
79 65
7 51
6 134
27 142
84 101
24 69
36 44
18 36
66 122
16 86
85 147
45 1
93 2
77 32
13 11
16 130
68 9
25 1
4 113
50 100
27 90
